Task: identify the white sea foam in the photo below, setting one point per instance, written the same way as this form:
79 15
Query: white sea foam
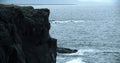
68 21
77 60
77 57
88 50
82 51
78 21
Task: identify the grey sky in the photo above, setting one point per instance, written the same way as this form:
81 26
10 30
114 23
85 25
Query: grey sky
39 1
57 1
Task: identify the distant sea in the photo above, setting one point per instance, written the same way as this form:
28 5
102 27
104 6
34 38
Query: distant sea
93 30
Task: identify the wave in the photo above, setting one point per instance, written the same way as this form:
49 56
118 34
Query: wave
77 60
66 21
81 52
78 56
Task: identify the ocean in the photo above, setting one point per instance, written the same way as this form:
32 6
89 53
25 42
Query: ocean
93 30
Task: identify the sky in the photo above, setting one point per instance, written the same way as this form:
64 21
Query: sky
39 1
58 1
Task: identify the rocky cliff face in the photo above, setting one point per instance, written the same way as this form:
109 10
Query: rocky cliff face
24 35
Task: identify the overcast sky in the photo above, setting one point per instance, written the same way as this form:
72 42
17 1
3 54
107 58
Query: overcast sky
58 1
39 1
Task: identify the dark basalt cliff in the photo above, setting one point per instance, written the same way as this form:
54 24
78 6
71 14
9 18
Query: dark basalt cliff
24 35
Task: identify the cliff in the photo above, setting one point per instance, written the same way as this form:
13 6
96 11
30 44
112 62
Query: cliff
24 35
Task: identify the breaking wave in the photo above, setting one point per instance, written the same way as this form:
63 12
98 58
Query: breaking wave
67 21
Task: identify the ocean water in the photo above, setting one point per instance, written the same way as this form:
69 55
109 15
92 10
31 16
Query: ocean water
93 30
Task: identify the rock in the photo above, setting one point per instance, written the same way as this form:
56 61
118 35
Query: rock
24 35
66 50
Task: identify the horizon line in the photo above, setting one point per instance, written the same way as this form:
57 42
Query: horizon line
45 4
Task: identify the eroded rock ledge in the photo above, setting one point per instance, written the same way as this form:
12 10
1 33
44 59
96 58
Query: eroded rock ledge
24 35
66 50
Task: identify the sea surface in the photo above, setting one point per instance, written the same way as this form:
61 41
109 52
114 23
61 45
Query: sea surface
93 30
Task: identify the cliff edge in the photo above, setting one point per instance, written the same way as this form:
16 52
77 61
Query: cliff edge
24 35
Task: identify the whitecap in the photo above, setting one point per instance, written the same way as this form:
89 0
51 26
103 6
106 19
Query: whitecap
89 50
68 21
56 22
82 51
78 21
78 60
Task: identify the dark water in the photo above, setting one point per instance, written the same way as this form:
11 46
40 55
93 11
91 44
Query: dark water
97 41
93 31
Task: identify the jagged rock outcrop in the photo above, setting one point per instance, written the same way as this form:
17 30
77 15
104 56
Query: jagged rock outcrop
65 50
24 35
